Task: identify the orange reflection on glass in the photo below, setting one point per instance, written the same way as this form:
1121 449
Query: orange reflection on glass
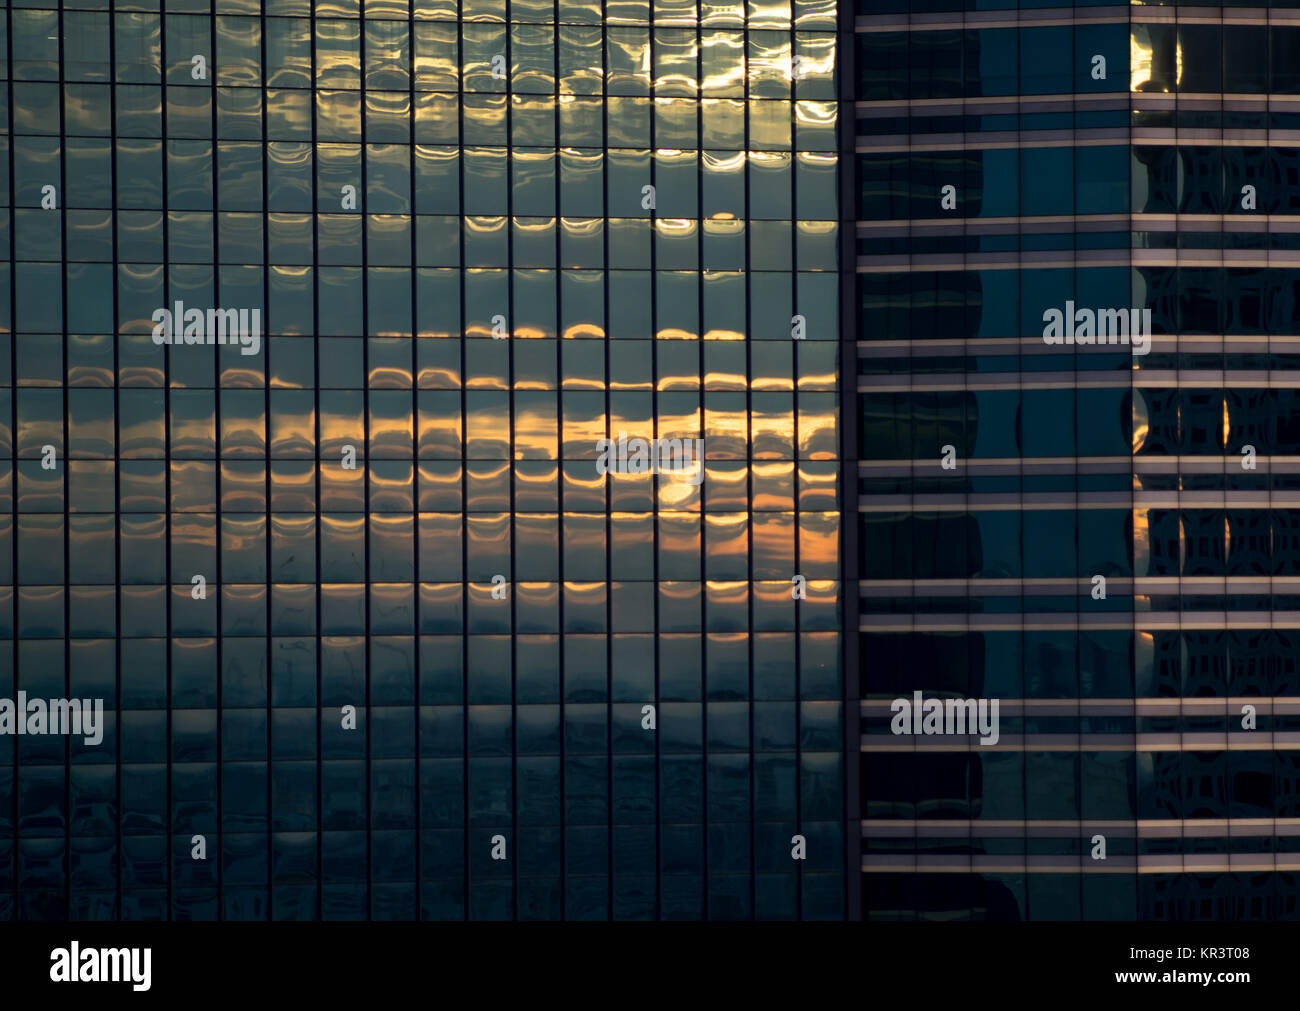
341 422
438 362
584 537
631 545
818 426
772 422
724 375
438 485
193 485
342 490
727 605
294 605
293 486
582 480
243 424
442 608
293 424
727 485
679 541
391 425
819 484
584 593
392 485
675 228
773 545
584 330
678 415
726 542
1141 542
631 412
188 652
244 599
819 543
487 538
485 614
287 532
678 598
487 425
243 486
392 545
487 486
584 423
773 606
822 605
532 593
144 437
726 426
345 534
772 370
676 491
194 532
536 484
242 377
192 424
813 381
137 278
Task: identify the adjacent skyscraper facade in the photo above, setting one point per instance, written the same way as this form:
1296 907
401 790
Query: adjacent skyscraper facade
1077 481
420 427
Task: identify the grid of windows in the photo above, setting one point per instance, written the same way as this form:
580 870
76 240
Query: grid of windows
1111 552
481 238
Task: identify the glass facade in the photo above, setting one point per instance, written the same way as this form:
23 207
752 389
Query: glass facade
1101 534
316 317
